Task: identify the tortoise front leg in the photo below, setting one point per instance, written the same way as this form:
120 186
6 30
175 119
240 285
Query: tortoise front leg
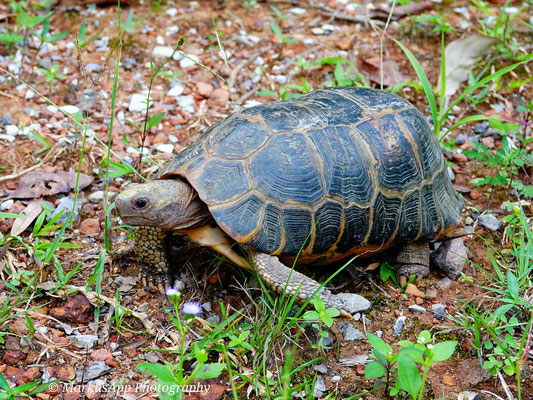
150 250
281 278
413 259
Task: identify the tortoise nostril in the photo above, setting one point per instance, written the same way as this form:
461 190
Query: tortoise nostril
139 204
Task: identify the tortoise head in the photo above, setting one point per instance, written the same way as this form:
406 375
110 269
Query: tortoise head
168 204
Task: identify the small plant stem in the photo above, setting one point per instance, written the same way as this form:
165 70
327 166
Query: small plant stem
426 369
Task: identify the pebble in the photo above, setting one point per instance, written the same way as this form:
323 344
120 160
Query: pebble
450 173
444 283
336 378
94 67
159 40
298 10
464 25
189 61
138 102
213 319
418 309
488 141
489 221
412 290
45 63
329 28
207 307
6 120
152 357
93 371
9 138
219 97
354 303
29 94
165 148
349 331
460 139
281 79
321 368
90 226
186 103
463 11
133 150
398 325
350 361
6 205
176 89
70 109
318 31
85 341
460 157
319 388
66 205
451 257
172 30
121 117
204 89
172 12
173 139
439 310
165 52
129 63
12 130
481 127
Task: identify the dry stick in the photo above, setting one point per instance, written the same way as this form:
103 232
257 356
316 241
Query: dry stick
38 165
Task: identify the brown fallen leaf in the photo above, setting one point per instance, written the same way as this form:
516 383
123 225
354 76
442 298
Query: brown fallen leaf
391 71
31 212
36 184
382 12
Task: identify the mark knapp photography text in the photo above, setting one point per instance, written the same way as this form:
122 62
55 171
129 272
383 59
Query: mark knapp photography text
138 388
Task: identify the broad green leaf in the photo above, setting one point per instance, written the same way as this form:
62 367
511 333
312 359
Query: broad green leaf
276 31
155 119
379 344
413 354
408 376
208 371
444 350
161 372
7 215
3 382
512 284
267 93
374 369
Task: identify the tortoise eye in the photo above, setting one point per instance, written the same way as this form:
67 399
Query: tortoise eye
139 204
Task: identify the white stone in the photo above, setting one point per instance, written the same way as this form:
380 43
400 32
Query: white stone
188 61
9 138
6 205
171 11
186 102
281 79
309 41
227 54
329 27
164 52
12 130
138 102
251 103
511 10
133 150
259 61
176 90
70 109
171 30
121 117
172 138
165 148
29 94
298 10
318 31
464 25
253 38
159 40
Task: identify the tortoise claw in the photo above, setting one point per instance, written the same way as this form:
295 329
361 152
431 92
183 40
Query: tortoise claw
403 280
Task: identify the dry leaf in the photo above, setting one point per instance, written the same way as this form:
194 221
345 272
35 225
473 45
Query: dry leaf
36 184
391 71
382 12
461 56
31 212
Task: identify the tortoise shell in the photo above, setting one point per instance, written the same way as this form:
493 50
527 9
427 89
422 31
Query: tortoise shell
334 172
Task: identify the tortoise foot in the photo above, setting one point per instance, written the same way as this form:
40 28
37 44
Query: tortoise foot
158 280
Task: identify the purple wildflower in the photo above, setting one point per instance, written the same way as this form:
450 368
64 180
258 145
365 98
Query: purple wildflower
191 308
170 291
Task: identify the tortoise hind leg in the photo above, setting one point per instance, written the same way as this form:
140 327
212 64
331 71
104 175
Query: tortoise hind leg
282 278
413 259
150 250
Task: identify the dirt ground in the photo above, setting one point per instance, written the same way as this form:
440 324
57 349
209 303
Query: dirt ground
194 97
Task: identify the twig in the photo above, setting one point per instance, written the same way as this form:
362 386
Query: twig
34 167
505 386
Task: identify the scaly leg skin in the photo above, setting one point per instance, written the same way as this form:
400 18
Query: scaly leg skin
413 259
279 277
151 252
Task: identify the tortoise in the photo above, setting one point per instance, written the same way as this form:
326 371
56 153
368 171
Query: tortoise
334 173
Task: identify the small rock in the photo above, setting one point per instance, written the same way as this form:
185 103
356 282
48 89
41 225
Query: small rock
93 371
31 374
9 138
336 378
219 97
85 341
489 221
349 331
417 309
14 357
138 102
488 141
444 283
189 61
469 395
101 355
29 94
129 63
176 89
6 205
460 157
431 293
412 290
450 173
354 303
94 67
481 127
186 103
164 52
318 31
165 148
451 257
45 63
354 360
65 206
65 372
69 109
213 319
90 227
6 120
398 325
172 12
460 139
207 306
439 310
298 10
321 368
12 130
281 79
475 194
329 28
152 357
469 220
159 40
204 89
96 197
320 387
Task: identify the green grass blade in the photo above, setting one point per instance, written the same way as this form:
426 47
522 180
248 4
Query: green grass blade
425 85
467 120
